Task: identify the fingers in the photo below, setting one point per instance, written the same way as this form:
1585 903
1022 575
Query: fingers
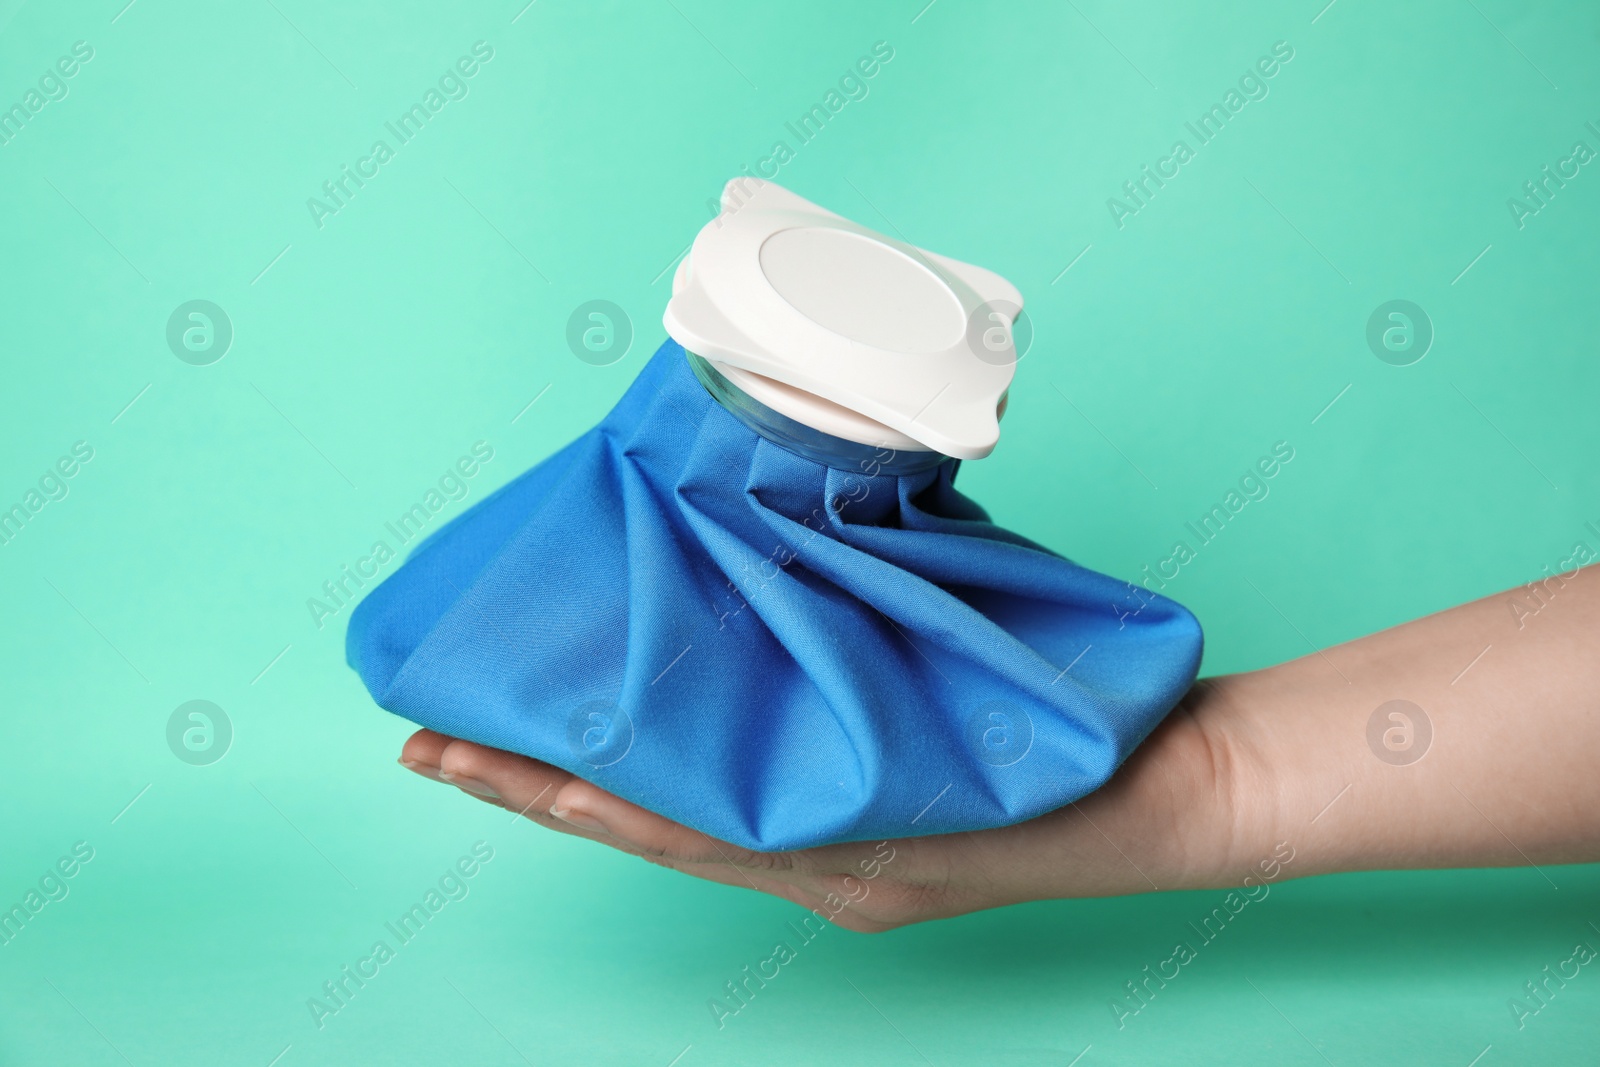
804 892
804 878
421 753
517 781
555 799
588 806
503 779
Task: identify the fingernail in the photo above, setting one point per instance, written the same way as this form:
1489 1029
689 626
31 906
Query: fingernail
424 769
581 819
471 785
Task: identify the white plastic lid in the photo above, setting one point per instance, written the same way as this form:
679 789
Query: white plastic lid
846 330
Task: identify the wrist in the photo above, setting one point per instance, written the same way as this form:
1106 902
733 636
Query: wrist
1226 798
1180 813
1190 809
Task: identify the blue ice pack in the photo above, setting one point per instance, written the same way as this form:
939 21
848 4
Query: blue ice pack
771 633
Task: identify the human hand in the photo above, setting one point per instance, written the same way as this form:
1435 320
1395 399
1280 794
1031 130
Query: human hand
1163 821
1246 765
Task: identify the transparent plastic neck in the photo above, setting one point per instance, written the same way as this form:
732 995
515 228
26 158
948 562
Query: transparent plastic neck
803 440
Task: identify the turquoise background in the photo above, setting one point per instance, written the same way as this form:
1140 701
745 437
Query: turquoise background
372 351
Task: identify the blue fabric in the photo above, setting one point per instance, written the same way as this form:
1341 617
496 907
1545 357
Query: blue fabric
772 651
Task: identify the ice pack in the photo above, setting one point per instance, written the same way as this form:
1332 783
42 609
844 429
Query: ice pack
752 599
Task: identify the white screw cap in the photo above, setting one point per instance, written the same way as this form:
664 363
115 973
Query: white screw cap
847 330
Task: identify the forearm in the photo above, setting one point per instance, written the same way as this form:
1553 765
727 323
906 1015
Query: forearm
1511 774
